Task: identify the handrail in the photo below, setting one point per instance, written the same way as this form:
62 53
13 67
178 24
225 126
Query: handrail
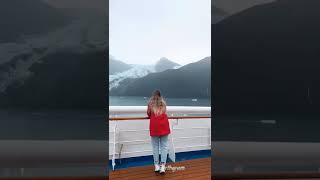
170 109
170 117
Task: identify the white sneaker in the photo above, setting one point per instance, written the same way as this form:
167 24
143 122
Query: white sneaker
162 168
156 167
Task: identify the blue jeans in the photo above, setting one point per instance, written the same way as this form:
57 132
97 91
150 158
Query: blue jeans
163 141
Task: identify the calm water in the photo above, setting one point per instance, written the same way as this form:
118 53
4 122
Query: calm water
52 124
142 101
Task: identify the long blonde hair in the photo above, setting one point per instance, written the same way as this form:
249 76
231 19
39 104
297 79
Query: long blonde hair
158 105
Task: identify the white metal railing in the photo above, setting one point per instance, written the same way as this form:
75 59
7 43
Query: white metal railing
118 114
123 110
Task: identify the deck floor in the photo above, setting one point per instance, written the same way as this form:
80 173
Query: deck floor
194 169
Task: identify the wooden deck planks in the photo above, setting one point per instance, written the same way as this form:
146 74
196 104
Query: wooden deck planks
194 169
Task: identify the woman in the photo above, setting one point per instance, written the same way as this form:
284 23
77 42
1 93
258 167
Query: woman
159 129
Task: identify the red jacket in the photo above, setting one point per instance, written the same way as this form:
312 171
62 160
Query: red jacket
159 125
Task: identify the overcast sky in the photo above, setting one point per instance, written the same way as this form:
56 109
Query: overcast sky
143 31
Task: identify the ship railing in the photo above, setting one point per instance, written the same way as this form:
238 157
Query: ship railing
177 113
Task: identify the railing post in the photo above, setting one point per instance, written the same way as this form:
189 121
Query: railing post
114 146
174 150
22 171
172 155
210 136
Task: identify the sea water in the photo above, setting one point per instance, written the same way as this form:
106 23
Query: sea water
143 101
52 124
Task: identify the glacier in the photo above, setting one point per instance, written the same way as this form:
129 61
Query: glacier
80 36
137 71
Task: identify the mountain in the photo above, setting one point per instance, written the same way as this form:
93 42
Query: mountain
218 11
268 59
136 71
116 66
98 5
120 71
217 14
84 34
189 81
61 66
61 80
164 64
21 18
234 6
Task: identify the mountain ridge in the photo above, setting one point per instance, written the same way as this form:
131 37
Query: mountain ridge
181 82
164 63
117 66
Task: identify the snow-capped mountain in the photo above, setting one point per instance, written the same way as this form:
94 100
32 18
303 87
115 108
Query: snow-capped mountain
191 80
136 71
81 35
56 53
